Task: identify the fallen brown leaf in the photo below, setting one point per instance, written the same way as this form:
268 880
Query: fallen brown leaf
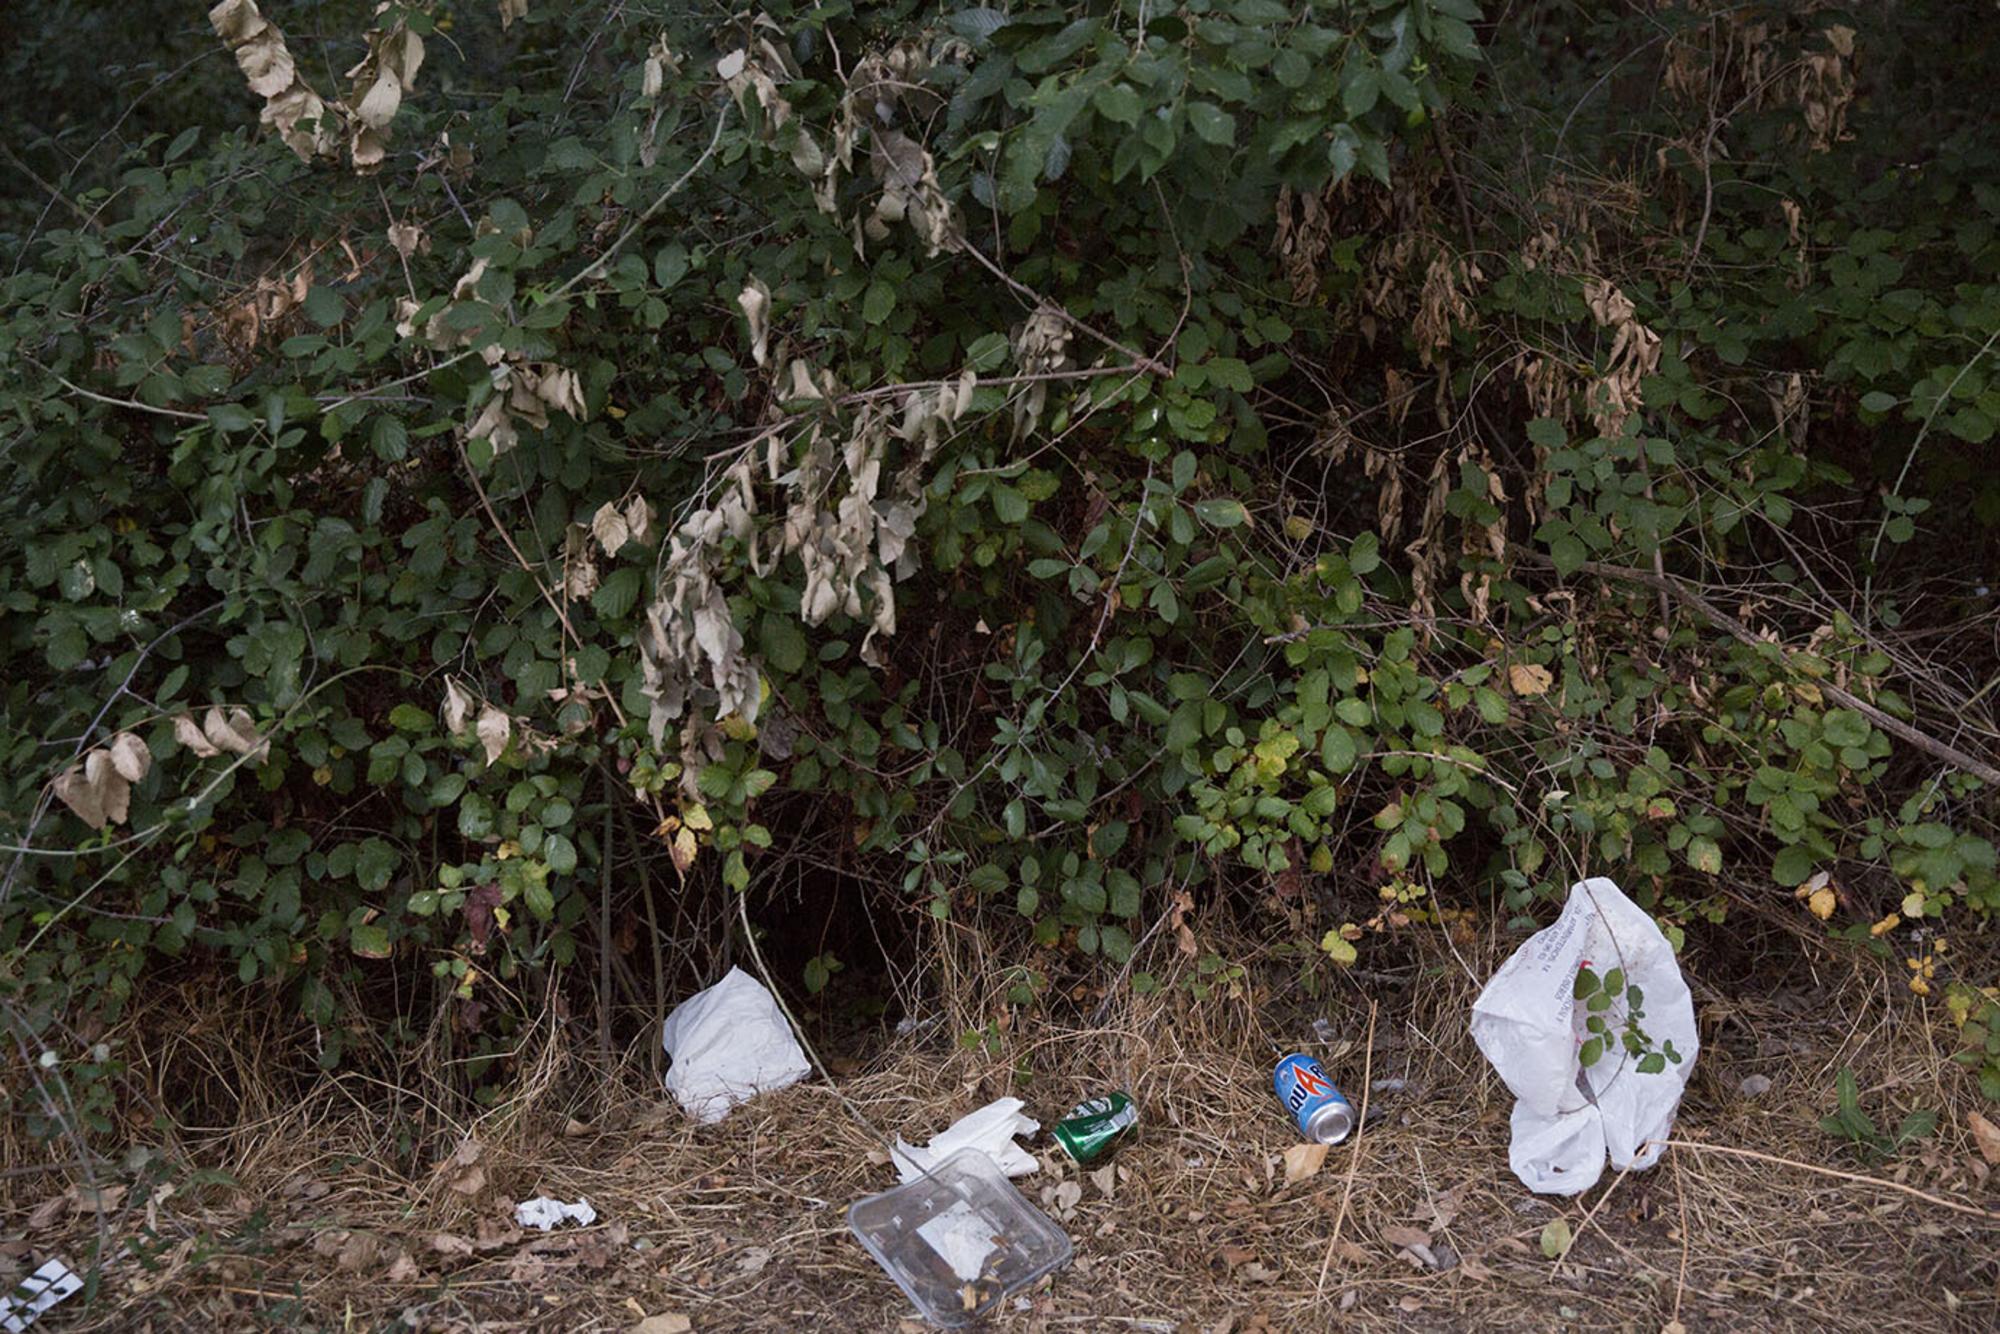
1986 1135
446 1243
1529 678
1406 1236
404 1269
1303 1161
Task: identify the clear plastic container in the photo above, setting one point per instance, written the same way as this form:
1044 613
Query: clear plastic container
961 1240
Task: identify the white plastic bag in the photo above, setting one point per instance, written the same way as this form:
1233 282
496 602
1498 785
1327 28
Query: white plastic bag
729 1043
1532 1028
991 1130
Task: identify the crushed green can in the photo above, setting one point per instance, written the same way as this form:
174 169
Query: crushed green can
1097 1126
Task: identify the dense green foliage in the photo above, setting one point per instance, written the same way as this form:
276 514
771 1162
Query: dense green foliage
1062 461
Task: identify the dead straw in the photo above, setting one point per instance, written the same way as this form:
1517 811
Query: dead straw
1354 1159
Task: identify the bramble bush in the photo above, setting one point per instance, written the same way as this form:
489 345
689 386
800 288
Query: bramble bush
1065 462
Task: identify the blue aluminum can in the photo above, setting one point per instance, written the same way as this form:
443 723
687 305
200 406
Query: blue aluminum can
1324 1115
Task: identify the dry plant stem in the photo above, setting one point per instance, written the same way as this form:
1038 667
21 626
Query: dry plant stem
1354 1159
653 936
1970 1210
1680 1194
604 948
1896 727
1584 1226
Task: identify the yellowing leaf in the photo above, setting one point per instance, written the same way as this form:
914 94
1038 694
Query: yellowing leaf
1528 678
1339 948
696 817
1302 1161
683 849
1913 904
1823 901
1556 1239
1886 925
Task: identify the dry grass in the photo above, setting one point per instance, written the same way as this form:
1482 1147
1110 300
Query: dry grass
741 1226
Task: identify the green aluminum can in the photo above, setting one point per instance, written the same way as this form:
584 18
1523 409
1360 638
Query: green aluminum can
1095 1127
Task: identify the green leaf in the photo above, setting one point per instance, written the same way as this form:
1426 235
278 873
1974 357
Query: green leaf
324 307
783 642
1117 102
370 940
1556 1238
1548 433
670 265
1586 984
1877 401
1360 89
1009 505
1211 123
879 302
1337 750
1704 855
1591 1052
1568 554
410 718
1222 513
374 862
618 593
559 853
1792 866
1614 981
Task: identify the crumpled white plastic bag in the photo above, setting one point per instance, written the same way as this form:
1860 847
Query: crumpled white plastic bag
991 1130
1530 1026
728 1044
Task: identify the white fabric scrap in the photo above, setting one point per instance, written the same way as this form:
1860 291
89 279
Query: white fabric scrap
543 1213
991 1130
962 1238
728 1044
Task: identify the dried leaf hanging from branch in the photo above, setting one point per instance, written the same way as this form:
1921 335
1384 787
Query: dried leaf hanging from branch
307 125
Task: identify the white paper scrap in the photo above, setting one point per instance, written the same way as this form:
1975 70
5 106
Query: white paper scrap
543 1213
962 1238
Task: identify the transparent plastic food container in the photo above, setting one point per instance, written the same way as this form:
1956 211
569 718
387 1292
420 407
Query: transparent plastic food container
960 1240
